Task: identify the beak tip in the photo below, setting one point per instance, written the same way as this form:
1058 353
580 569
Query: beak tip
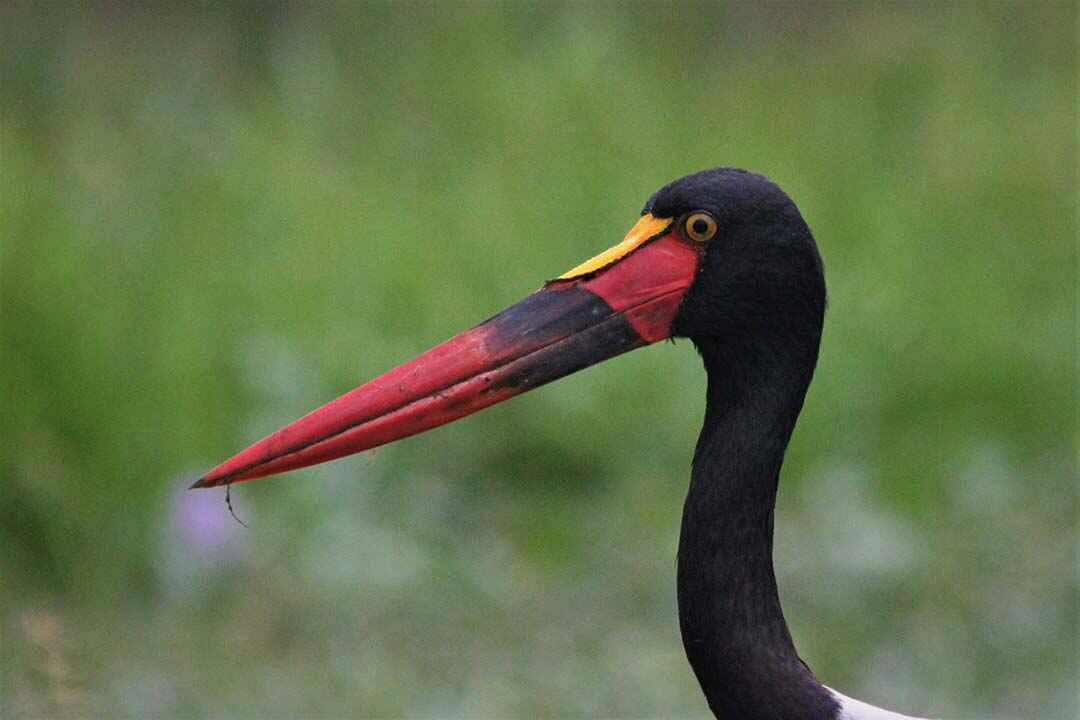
204 482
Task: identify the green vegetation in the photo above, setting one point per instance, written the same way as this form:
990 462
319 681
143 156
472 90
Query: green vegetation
214 220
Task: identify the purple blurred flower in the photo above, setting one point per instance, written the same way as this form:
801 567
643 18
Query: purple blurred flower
202 521
201 539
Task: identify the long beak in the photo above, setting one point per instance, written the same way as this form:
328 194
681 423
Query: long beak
620 300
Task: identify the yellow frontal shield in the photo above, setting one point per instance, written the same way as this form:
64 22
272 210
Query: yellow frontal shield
645 229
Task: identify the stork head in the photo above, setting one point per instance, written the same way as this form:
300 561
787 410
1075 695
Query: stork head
719 256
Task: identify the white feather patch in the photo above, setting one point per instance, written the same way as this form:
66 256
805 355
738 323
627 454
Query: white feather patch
851 709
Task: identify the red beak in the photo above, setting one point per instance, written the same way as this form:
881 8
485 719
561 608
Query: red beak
623 299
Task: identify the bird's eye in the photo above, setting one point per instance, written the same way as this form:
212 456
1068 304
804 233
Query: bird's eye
700 227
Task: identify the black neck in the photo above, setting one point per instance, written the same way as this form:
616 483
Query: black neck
729 610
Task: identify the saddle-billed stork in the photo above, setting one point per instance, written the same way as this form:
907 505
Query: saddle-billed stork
722 257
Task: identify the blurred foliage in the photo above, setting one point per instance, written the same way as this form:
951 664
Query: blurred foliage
215 218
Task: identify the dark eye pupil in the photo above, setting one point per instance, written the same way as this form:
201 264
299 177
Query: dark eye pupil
700 226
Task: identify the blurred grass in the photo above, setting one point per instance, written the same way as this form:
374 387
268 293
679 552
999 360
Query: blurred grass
214 219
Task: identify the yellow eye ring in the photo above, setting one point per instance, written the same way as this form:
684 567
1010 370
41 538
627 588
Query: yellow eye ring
700 227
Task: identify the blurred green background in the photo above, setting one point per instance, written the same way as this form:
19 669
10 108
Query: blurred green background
214 219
